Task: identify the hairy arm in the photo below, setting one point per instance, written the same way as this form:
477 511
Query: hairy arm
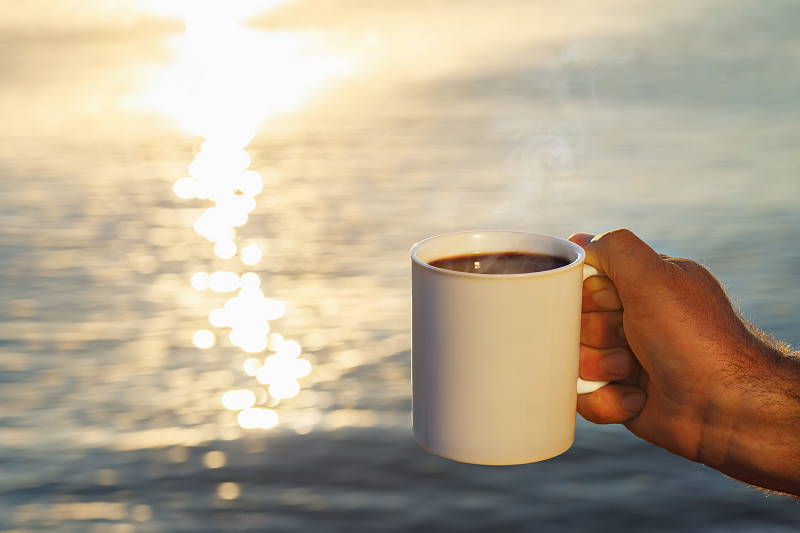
763 412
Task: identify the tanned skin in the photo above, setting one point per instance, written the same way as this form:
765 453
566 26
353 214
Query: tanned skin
689 374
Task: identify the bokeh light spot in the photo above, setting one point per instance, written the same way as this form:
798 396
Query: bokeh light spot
214 459
256 417
223 281
236 400
252 365
283 389
251 254
185 188
200 281
225 249
228 491
204 338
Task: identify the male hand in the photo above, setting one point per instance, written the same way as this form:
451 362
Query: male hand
688 374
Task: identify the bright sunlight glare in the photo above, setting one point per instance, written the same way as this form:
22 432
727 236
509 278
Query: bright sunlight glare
225 81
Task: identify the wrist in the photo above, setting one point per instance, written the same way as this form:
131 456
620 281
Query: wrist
752 427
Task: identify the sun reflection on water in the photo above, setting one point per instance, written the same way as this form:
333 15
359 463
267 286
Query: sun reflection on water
225 81
227 78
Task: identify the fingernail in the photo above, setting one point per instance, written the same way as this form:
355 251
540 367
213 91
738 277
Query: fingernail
633 402
617 363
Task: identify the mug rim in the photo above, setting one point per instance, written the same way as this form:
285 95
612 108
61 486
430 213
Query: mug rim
415 249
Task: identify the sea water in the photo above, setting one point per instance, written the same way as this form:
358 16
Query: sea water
231 351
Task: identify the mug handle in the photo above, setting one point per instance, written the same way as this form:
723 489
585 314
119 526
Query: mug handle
584 386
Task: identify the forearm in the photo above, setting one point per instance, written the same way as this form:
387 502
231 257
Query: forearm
754 433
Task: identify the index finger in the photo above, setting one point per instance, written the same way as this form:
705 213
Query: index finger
599 292
624 258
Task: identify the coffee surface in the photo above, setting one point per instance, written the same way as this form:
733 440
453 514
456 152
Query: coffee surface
501 263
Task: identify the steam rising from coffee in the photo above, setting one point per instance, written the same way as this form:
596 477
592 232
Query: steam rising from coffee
551 145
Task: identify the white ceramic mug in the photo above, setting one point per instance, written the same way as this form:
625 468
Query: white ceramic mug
495 356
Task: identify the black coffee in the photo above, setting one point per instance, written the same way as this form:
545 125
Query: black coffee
501 263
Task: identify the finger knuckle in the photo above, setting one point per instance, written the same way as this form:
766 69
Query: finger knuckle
596 331
621 236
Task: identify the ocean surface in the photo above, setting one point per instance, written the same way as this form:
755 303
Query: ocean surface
169 367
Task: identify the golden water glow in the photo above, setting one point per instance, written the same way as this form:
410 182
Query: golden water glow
204 338
256 417
200 281
251 254
228 491
223 281
186 9
236 400
226 78
225 81
252 365
214 459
